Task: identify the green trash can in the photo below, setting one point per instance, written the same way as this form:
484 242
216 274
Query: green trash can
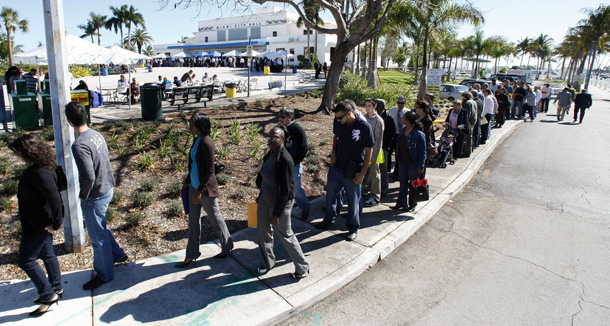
151 96
44 104
24 106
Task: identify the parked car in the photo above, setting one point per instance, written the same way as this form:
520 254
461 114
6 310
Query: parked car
470 82
452 92
510 78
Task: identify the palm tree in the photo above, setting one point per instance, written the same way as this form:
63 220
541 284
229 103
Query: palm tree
522 47
542 49
135 18
312 12
497 49
140 38
97 21
11 21
479 46
435 14
88 29
117 21
17 48
597 26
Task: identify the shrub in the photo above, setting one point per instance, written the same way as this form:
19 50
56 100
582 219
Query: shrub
5 203
148 185
10 187
111 213
5 166
240 193
221 152
18 170
173 189
259 103
47 133
141 199
134 218
223 178
117 197
175 209
354 87
146 161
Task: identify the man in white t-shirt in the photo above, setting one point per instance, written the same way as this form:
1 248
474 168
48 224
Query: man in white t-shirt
547 92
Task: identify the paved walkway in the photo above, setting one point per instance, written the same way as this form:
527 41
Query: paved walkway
228 291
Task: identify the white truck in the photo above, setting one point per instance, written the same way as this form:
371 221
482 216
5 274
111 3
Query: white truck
526 76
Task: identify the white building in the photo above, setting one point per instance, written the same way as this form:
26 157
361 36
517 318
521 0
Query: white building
271 29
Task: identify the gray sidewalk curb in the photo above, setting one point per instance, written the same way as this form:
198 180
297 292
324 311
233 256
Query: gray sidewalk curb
372 255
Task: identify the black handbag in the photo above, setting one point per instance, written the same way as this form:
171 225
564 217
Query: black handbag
421 191
218 167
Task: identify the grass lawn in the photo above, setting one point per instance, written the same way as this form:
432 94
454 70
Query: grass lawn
395 77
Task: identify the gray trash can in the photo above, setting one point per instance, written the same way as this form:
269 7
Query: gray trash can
150 98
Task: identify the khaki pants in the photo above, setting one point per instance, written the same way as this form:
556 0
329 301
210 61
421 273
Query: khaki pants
561 111
374 181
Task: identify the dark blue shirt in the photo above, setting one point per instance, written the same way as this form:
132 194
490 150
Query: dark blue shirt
353 139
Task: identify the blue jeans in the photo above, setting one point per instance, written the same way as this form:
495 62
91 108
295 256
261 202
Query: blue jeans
40 246
406 173
105 249
299 193
353 196
513 109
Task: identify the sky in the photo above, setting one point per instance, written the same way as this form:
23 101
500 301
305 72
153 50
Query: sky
514 19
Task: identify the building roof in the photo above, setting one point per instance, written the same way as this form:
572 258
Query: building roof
216 45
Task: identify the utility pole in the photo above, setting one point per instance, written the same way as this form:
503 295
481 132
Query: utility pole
64 134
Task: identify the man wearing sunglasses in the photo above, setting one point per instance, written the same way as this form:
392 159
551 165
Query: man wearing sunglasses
297 149
351 154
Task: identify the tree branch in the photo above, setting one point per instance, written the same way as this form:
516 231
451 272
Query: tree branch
308 23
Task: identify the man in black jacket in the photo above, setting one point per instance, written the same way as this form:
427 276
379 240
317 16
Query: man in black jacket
297 149
582 102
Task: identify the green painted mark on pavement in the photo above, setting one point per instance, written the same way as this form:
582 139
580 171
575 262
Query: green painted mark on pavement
316 317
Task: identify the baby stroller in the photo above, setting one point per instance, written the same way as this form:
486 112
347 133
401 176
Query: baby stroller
446 148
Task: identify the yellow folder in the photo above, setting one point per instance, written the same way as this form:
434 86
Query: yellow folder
252 214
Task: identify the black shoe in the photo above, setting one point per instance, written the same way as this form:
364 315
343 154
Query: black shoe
60 293
323 225
410 209
395 207
186 262
95 282
351 236
223 254
262 270
124 259
44 307
305 215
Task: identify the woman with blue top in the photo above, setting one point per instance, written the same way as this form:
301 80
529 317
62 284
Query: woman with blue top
411 157
203 190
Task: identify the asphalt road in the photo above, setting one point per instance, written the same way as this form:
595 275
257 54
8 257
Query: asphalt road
526 243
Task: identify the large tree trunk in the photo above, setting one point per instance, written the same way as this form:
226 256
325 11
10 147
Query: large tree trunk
422 86
334 74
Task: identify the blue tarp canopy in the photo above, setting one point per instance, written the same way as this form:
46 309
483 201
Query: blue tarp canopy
213 54
199 54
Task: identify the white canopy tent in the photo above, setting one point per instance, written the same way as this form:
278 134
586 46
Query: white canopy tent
254 54
122 56
180 55
160 56
232 53
79 51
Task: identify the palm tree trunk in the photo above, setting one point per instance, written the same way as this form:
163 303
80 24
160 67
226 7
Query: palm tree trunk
416 80
591 64
122 38
309 45
99 42
521 62
129 36
10 47
422 86
563 65
496 66
372 71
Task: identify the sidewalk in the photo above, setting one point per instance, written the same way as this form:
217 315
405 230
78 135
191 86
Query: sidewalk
228 291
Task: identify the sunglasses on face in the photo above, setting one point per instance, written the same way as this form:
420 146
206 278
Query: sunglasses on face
342 117
403 103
